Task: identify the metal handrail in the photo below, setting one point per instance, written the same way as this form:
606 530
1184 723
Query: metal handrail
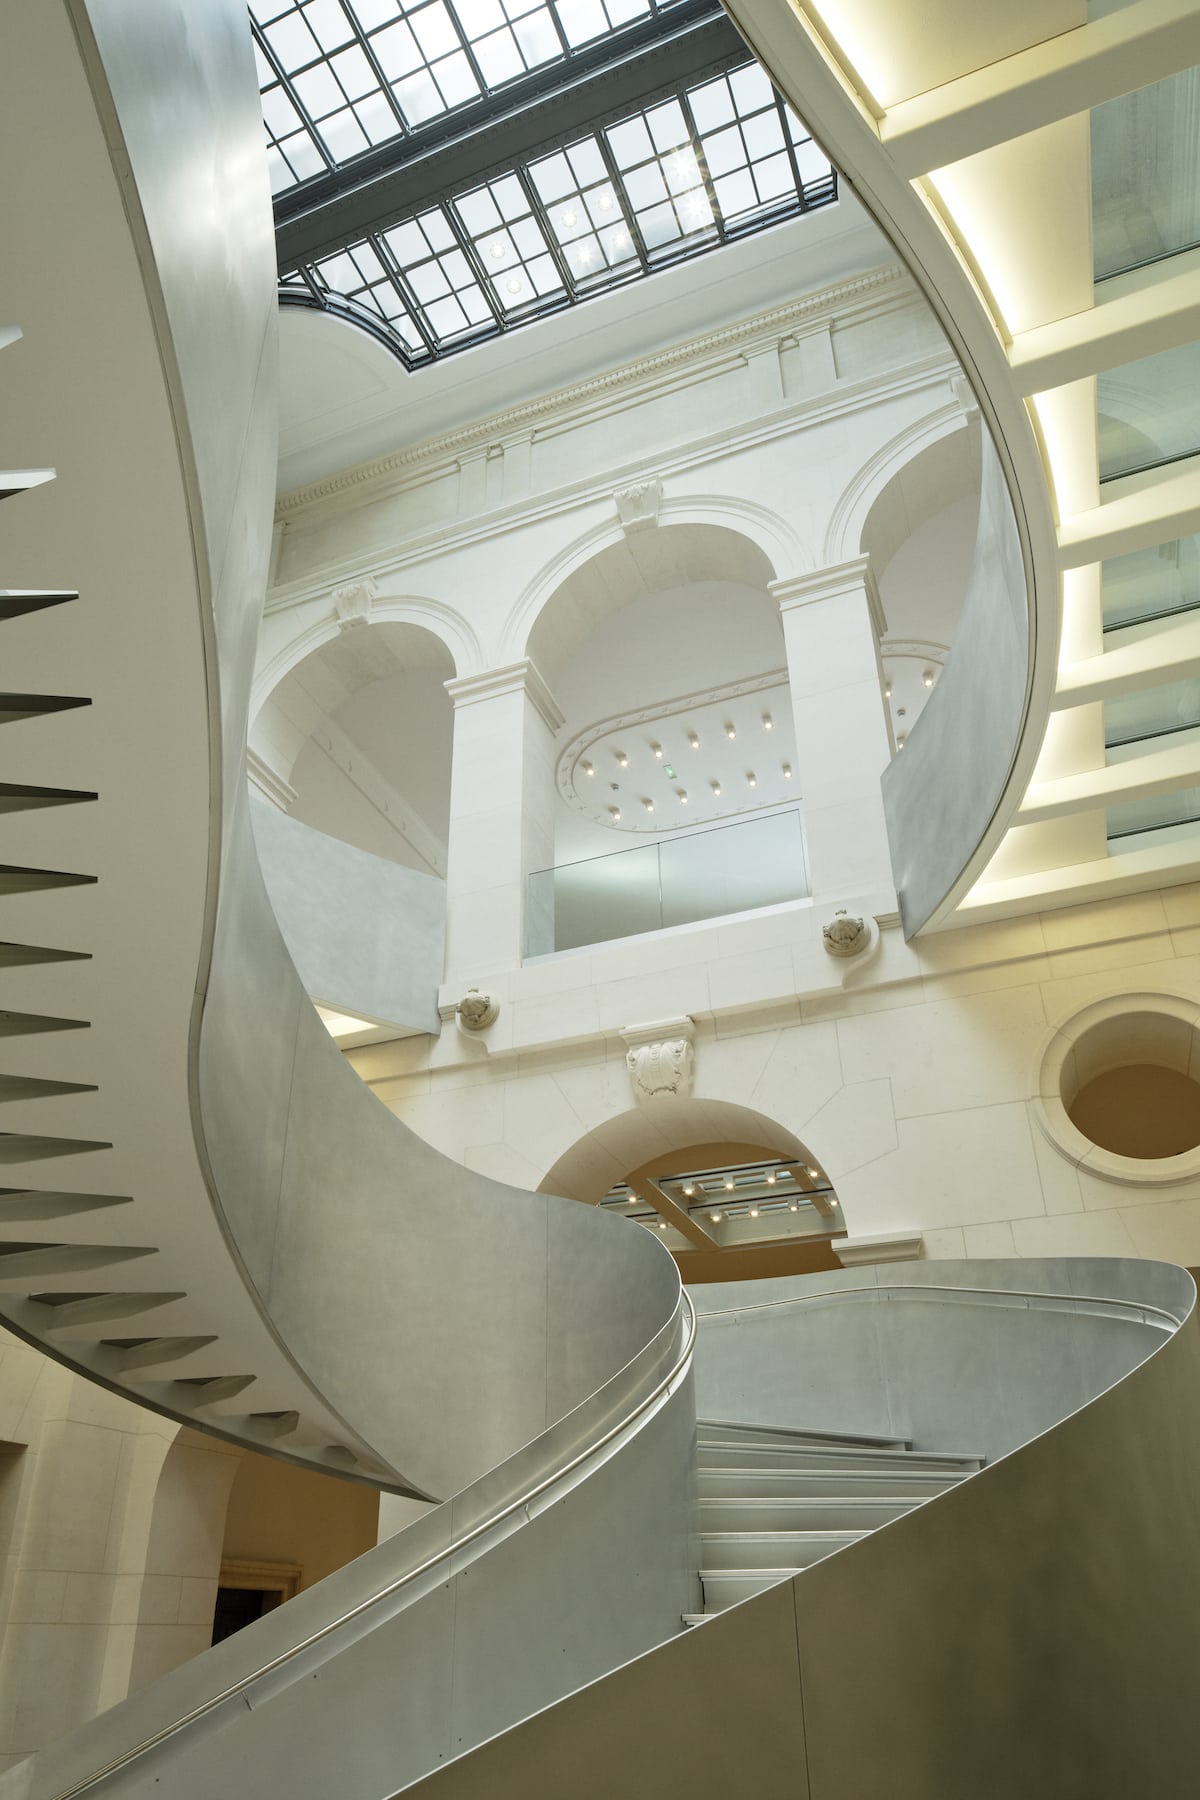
1000 1295
424 1568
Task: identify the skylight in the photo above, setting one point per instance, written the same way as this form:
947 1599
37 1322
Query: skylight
586 176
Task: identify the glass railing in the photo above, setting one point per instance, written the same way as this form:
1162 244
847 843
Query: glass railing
1145 198
731 868
1151 584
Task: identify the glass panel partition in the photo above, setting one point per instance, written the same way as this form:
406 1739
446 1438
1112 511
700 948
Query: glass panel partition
1145 196
1151 584
1147 411
706 875
1151 812
1152 712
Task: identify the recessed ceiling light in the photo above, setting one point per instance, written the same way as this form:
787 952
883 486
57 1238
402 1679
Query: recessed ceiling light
588 768
716 788
615 813
694 740
768 722
928 678
754 1212
751 778
715 1217
730 730
729 1186
787 771
689 1190
887 690
648 804
815 1173
662 1224
793 1207
901 740
633 1199
622 759
682 796
771 1179
657 749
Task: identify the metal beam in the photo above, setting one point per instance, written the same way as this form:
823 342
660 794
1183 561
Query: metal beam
675 1215
532 117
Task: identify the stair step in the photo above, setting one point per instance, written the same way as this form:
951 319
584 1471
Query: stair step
801 1513
728 1587
741 1456
749 1550
765 1484
729 1431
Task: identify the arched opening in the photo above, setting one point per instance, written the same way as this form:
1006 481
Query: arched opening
750 1203
675 791
920 534
355 741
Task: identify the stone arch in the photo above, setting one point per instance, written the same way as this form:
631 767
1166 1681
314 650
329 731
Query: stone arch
432 616
848 518
636 1138
769 548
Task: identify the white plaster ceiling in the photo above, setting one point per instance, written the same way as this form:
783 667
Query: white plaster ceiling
344 399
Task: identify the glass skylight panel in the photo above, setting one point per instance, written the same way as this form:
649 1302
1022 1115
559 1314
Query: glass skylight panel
437 272
509 242
756 150
661 175
360 276
584 211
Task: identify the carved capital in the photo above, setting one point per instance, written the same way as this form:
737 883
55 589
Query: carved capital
638 505
660 1058
352 603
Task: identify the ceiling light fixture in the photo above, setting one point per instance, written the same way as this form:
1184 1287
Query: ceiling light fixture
693 740
716 788
588 768
887 690
633 1199
729 1186
615 813
751 778
928 678
657 749
730 730
648 804
768 722
662 1224
715 1217
771 1179
901 740
682 796
815 1173
622 759
754 1212
793 1207
689 1191
787 771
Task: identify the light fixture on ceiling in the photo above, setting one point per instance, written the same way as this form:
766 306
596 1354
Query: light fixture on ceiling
622 759
754 1212
615 814
902 740
794 1207
716 788
771 1179
647 803
689 1191
496 248
694 739
787 771
815 1173
633 1199
928 677
657 749
715 1217
730 730
768 722
588 768
681 796
568 218
729 1186
751 778
662 1224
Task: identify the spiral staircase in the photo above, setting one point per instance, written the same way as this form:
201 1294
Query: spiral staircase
179 1125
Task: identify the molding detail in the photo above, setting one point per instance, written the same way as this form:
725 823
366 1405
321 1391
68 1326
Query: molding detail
268 782
887 1247
829 583
353 603
660 1057
483 432
521 677
638 505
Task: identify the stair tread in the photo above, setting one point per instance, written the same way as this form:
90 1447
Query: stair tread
802 1434
919 1458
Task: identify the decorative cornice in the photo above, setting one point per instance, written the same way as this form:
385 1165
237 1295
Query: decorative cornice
481 432
521 677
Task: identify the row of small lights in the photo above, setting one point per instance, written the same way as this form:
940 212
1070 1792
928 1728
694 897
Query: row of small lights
681 794
729 1185
928 677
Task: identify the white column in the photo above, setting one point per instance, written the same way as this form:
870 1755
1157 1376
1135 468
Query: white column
501 814
831 627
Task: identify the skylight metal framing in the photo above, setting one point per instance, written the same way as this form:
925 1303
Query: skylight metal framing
647 146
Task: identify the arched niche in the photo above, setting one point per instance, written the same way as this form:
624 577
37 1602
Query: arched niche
355 740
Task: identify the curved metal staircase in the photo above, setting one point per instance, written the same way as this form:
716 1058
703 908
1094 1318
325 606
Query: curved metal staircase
244 1238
